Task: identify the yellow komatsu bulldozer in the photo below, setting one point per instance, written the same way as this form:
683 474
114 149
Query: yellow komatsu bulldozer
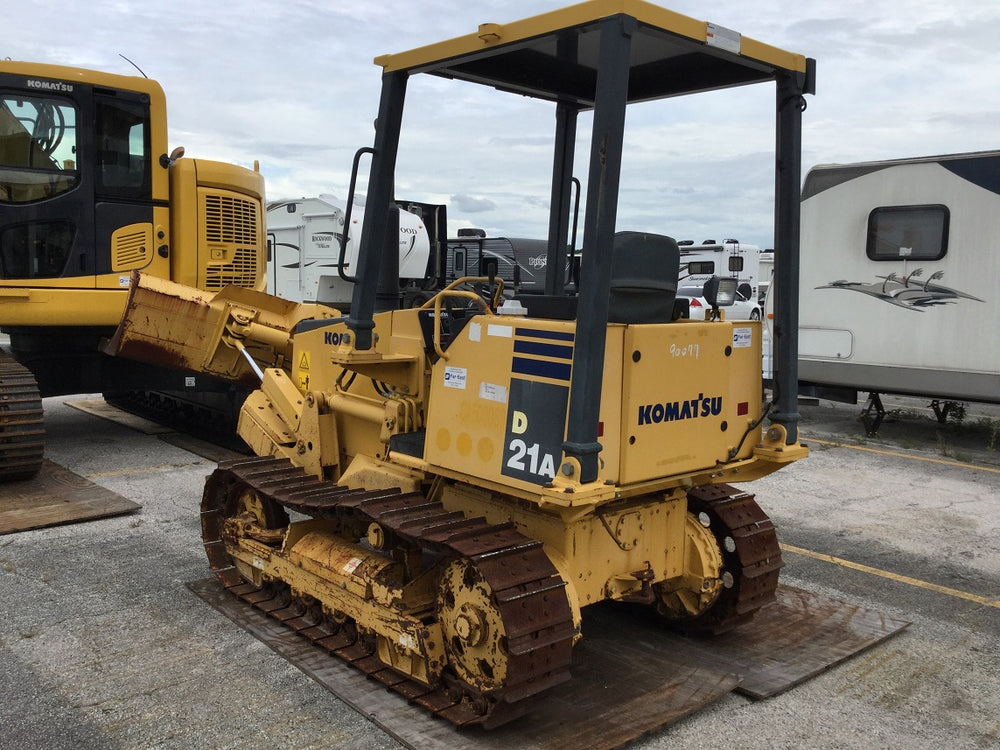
89 193
439 493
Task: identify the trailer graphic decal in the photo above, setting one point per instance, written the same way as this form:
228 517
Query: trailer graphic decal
907 291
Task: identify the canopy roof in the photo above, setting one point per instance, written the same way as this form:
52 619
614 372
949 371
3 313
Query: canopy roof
554 56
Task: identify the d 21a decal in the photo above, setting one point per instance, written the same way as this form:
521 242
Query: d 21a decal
536 419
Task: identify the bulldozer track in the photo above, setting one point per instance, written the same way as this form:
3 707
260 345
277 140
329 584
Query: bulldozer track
750 553
527 591
22 427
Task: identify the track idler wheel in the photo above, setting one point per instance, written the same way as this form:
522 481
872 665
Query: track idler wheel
230 508
703 575
747 547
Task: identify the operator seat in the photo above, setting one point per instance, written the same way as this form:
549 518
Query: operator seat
644 272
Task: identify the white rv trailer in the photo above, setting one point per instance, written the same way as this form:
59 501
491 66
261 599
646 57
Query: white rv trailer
304 238
729 258
766 272
899 279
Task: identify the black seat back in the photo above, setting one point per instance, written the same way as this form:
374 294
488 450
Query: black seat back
644 271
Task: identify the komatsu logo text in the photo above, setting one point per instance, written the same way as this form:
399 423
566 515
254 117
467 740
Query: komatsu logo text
49 85
672 411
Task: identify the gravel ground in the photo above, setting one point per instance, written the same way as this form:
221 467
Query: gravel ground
103 646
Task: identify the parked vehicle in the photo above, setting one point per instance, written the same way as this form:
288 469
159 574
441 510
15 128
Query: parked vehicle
740 308
304 239
304 253
89 192
439 494
898 279
727 259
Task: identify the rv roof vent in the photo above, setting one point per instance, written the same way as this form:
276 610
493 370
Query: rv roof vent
471 232
731 242
709 242
685 242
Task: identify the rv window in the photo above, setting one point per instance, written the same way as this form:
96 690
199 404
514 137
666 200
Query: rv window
735 262
701 268
908 233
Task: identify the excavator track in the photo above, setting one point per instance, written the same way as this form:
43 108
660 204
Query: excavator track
751 556
22 427
211 416
525 589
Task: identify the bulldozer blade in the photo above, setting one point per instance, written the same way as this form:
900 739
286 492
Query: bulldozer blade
183 328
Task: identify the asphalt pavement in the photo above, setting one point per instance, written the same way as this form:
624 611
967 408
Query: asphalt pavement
102 645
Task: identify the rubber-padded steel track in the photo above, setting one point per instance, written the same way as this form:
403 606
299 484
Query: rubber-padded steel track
211 415
22 427
752 557
527 590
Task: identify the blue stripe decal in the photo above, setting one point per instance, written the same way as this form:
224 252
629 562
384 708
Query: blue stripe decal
542 349
536 334
540 368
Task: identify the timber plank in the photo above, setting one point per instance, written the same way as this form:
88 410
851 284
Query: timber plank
56 496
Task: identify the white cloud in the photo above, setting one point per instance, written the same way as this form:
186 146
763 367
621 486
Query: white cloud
292 84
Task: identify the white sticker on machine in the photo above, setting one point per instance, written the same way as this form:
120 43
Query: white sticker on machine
493 392
723 38
742 337
454 377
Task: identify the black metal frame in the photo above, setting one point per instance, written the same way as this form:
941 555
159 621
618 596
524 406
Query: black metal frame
610 95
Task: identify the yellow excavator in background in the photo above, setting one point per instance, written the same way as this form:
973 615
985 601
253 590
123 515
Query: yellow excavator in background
89 193
440 493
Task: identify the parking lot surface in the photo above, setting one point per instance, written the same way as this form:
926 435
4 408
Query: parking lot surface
103 645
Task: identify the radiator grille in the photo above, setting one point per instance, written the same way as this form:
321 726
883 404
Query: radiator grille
232 222
230 219
241 272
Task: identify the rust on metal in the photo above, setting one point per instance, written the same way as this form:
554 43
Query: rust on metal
171 325
509 613
523 600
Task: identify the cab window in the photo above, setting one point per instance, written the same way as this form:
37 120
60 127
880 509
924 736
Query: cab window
35 250
38 148
123 164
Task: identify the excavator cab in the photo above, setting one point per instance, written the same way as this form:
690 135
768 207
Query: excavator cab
76 169
89 194
472 483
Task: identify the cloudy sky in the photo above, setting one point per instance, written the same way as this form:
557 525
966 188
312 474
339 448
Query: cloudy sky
292 85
